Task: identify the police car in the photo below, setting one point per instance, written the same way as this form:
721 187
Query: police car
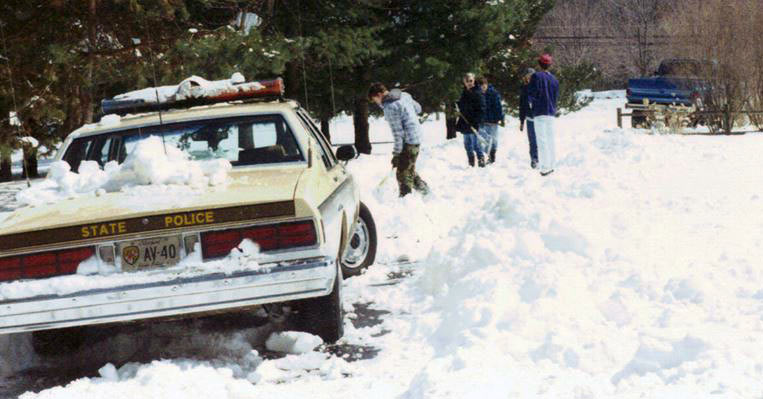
289 193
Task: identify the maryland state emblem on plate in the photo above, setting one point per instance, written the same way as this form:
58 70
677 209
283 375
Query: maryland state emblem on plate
131 254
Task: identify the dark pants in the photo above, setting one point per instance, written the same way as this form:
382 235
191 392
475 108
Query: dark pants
533 142
407 178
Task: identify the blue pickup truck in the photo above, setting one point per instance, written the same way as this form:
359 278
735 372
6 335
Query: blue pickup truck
676 82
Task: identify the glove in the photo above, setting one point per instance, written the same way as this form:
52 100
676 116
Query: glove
521 124
395 160
502 123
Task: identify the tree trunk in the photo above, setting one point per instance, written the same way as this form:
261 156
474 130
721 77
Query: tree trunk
92 47
325 128
30 163
5 166
360 123
293 85
450 122
360 114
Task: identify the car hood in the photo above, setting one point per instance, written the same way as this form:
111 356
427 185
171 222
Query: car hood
245 188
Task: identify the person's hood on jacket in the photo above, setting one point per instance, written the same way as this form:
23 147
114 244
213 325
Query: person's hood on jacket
392 95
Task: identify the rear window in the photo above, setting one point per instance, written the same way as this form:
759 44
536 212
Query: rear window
264 139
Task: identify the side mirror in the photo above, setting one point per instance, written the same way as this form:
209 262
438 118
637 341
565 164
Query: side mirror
345 153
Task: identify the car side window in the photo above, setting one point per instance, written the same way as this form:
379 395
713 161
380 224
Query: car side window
101 150
77 152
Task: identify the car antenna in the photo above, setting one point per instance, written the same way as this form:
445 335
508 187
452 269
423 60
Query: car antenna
153 73
13 97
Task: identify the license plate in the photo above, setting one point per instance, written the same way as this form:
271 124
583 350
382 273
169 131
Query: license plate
150 253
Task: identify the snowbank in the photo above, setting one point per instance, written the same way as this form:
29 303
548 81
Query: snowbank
630 272
150 164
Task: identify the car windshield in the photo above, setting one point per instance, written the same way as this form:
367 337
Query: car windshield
256 140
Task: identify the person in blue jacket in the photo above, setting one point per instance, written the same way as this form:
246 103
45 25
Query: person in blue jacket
525 116
493 117
471 107
542 92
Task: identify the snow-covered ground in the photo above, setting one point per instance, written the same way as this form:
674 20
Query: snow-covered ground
633 271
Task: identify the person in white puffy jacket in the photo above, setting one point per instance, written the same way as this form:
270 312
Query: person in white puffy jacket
401 112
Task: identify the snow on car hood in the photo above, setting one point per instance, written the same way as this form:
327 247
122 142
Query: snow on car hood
150 181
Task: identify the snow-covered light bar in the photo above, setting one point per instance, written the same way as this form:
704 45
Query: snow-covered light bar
192 92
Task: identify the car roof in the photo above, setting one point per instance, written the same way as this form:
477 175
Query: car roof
221 110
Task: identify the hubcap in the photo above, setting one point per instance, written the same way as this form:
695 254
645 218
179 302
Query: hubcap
357 248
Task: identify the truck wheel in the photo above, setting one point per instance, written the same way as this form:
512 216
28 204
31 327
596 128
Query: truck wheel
361 250
638 120
323 316
61 341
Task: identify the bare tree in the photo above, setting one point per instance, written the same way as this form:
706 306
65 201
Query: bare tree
638 22
724 35
623 38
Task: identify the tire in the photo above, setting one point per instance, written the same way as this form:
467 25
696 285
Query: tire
323 316
58 342
360 251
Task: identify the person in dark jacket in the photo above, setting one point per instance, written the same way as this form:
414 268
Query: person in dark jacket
525 116
543 91
493 117
471 107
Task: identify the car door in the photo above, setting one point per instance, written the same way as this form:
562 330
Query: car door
339 208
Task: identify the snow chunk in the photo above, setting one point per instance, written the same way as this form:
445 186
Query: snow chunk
293 342
14 119
659 357
110 120
31 141
109 372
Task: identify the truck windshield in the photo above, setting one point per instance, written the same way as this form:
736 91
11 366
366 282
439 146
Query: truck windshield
264 139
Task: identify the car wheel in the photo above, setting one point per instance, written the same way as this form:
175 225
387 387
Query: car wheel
58 342
323 316
361 249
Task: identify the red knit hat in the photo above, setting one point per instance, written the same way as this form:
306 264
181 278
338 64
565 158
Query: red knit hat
545 60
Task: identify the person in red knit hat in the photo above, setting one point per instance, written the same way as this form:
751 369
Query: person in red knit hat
543 91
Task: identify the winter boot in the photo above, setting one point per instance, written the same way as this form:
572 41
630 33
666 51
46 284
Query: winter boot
420 185
492 156
482 162
471 159
404 190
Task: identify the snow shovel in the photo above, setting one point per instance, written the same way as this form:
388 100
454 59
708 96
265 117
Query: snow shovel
384 180
481 140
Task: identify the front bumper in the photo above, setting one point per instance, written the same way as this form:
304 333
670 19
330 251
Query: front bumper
207 293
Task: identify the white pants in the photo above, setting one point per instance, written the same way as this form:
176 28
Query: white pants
544 134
